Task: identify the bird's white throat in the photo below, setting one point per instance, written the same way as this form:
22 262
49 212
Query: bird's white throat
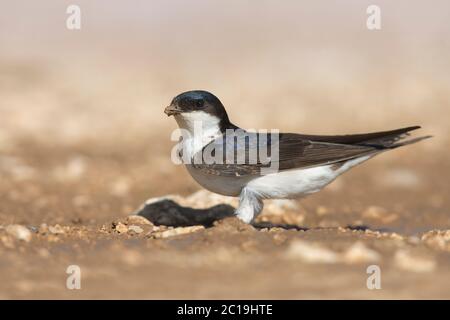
198 128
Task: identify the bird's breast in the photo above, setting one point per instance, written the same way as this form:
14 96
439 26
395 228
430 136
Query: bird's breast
224 185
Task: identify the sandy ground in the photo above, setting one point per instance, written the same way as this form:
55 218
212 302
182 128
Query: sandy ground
76 207
84 143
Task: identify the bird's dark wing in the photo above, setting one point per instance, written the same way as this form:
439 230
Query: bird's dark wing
295 151
380 139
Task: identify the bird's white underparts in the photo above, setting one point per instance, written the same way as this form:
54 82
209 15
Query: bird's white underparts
264 164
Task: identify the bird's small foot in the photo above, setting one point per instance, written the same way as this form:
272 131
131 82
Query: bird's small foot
250 205
245 215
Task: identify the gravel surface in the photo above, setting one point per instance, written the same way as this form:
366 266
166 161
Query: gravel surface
176 246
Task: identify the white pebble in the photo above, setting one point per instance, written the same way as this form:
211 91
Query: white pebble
19 232
135 229
359 253
177 231
310 252
408 261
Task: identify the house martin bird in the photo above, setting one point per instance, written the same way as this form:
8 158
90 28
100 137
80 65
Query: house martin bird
304 163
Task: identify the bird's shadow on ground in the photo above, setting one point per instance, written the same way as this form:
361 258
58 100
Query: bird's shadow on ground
169 213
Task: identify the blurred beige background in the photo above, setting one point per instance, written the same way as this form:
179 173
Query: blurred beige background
314 60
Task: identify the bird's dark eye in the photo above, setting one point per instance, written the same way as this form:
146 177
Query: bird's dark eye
199 103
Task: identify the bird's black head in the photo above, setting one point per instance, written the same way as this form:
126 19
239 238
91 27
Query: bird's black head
196 101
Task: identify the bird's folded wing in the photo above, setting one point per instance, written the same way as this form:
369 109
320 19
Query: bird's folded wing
289 151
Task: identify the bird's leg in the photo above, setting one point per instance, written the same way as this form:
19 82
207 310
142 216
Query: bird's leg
250 205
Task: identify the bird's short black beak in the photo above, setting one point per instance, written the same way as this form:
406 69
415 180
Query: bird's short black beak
171 110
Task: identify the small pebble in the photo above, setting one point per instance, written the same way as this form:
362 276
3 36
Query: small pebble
121 228
177 231
43 228
439 239
19 232
310 253
7 241
409 261
135 229
56 229
279 238
135 219
359 253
